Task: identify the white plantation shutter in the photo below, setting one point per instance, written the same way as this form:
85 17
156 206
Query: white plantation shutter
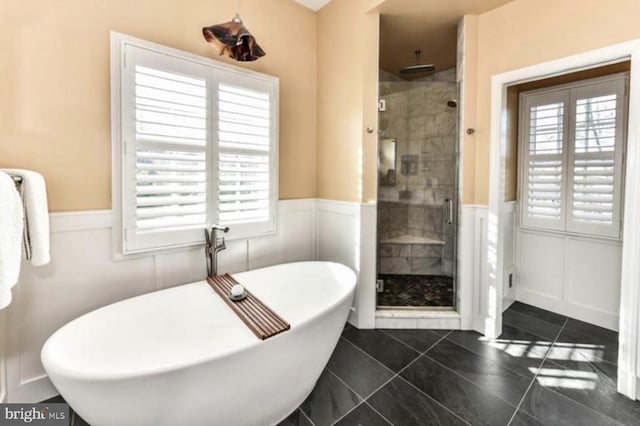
595 159
573 139
247 177
198 146
165 116
543 183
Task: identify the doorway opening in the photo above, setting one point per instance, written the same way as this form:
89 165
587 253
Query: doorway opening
489 300
569 152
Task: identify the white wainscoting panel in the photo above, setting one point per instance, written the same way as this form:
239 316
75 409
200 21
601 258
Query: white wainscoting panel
83 276
340 239
295 239
364 317
473 262
541 267
594 286
573 276
469 254
338 225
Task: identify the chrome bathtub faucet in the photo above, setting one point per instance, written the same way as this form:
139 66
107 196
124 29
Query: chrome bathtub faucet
214 245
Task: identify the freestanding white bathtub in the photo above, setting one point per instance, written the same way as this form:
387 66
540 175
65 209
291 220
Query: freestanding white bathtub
180 356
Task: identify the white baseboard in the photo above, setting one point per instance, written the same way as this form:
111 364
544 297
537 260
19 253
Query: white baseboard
506 303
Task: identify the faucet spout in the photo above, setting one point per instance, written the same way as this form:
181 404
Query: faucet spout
214 245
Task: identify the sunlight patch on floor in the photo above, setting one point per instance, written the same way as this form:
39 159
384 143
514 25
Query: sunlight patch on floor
520 348
577 352
567 379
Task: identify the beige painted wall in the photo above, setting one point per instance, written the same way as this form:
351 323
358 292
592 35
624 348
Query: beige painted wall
347 93
54 107
470 72
527 32
54 101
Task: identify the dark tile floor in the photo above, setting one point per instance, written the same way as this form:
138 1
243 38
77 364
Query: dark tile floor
545 369
416 290
75 419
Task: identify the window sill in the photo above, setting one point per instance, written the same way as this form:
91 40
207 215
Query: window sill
575 235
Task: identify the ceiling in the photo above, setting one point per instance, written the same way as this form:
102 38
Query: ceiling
428 25
314 5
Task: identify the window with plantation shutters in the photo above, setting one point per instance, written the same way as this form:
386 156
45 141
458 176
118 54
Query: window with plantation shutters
197 145
573 141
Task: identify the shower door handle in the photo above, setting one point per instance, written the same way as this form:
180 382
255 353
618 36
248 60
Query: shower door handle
448 206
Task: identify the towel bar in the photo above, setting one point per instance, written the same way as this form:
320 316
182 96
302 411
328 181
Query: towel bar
26 241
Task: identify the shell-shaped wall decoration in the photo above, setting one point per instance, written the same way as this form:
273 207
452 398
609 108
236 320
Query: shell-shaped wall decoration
234 40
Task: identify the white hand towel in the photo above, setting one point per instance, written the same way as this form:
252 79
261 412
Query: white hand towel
11 223
36 210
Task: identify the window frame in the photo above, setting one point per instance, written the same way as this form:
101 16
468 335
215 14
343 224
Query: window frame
567 225
122 246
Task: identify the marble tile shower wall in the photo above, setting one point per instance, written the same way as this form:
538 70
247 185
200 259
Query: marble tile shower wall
396 219
424 127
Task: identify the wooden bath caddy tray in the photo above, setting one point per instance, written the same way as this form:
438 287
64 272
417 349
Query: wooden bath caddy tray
256 315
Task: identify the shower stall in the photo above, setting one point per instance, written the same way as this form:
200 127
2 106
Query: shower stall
417 192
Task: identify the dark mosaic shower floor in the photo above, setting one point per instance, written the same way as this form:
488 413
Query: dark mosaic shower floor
416 290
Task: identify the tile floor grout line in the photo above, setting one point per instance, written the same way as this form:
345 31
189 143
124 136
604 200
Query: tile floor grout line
538 318
390 379
420 391
339 419
383 383
306 417
561 395
398 376
489 359
528 331
368 354
399 341
536 375
345 383
377 412
566 319
362 400
469 380
384 331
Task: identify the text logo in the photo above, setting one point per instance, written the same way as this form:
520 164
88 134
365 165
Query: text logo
34 414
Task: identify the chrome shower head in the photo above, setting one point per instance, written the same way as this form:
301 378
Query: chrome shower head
418 67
